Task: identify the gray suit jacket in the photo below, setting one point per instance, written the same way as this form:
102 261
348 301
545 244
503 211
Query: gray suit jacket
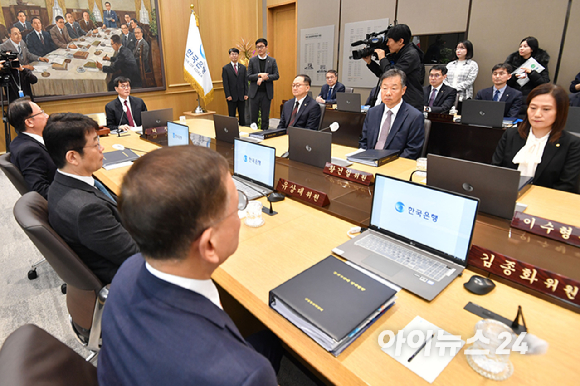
60 40
254 69
25 55
142 51
89 223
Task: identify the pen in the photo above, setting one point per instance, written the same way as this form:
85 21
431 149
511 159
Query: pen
421 348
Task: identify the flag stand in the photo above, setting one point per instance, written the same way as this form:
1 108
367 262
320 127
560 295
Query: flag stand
198 109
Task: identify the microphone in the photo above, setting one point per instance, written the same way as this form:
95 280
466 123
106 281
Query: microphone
334 126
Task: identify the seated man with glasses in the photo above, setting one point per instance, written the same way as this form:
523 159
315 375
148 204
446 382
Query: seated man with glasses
438 97
301 111
27 150
80 209
164 323
124 111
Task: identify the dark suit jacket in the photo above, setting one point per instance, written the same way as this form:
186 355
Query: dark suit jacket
254 70
307 117
129 40
235 86
35 45
87 26
157 333
444 99
142 49
32 159
20 27
406 135
560 164
75 31
25 78
117 117
511 97
60 40
124 64
88 221
338 87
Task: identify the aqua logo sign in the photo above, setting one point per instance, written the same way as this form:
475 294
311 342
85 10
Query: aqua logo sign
399 207
245 158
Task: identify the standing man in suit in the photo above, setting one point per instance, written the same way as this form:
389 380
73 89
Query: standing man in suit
15 44
60 36
87 24
27 150
124 111
127 38
235 86
122 64
80 209
163 310
262 71
38 41
300 111
142 50
110 16
500 73
22 24
128 22
394 125
438 97
73 28
329 90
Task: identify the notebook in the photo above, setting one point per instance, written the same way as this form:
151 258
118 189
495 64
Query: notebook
482 113
348 102
419 236
497 188
309 146
156 118
254 167
177 134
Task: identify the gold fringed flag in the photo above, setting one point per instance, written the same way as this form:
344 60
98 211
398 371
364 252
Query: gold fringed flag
195 68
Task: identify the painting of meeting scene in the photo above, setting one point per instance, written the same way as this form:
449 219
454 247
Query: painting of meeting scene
75 48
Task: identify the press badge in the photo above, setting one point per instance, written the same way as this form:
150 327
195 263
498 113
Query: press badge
20 94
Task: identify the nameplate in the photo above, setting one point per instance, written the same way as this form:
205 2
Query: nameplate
302 193
156 130
543 227
525 274
437 117
349 174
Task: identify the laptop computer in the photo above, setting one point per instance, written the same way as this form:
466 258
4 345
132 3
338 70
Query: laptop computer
156 118
482 113
573 121
497 188
177 134
309 146
227 128
419 236
254 168
348 102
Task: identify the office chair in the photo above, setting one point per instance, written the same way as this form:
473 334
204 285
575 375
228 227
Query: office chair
85 294
427 131
322 111
31 356
349 90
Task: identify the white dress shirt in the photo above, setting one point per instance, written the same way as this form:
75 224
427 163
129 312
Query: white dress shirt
530 155
35 136
86 179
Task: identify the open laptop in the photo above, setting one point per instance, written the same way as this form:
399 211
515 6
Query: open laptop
227 128
482 113
419 236
348 102
498 188
156 118
177 134
254 168
573 121
309 146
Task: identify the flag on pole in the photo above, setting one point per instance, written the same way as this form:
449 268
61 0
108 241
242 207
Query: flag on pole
195 68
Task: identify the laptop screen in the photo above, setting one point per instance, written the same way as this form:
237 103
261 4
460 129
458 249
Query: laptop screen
435 218
255 161
177 134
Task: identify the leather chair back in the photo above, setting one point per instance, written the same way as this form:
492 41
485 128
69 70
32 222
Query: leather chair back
13 174
349 89
427 131
322 111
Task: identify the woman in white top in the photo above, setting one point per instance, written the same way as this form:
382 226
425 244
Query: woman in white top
462 71
540 147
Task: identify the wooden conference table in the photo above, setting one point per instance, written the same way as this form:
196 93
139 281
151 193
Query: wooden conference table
300 236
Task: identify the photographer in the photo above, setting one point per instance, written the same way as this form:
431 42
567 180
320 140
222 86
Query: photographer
405 56
16 77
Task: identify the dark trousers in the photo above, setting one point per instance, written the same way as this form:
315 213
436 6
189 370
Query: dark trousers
240 106
260 103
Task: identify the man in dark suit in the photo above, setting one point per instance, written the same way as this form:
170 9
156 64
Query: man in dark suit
438 97
300 111
110 16
235 86
127 38
123 64
27 150
329 90
59 35
38 41
80 209
73 28
394 125
164 323
262 72
501 92
124 111
142 50
22 24
86 23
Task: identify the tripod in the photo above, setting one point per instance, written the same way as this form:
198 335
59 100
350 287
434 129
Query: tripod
4 84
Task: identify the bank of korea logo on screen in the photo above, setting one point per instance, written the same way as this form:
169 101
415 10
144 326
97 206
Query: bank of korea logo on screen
399 207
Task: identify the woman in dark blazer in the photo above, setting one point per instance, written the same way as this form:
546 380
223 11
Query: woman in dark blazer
540 147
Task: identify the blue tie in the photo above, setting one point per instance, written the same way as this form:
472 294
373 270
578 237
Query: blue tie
496 96
102 188
329 96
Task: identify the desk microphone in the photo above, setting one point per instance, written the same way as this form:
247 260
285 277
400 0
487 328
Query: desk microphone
334 126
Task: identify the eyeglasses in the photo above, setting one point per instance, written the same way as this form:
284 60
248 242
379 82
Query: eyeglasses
124 86
260 47
434 75
296 85
34 115
242 204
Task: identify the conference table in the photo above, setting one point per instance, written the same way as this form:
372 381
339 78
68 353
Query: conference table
301 235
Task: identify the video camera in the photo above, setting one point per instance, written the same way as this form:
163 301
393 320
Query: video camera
8 61
373 40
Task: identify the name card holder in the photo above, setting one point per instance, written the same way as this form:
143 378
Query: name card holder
547 228
438 117
302 192
349 174
528 275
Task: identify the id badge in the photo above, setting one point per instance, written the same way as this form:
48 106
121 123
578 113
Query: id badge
20 93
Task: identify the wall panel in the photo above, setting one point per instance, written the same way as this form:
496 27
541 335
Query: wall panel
570 64
432 17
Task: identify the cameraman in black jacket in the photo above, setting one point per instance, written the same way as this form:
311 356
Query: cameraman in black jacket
405 56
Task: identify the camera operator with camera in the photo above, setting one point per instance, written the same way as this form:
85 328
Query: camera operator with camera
403 55
15 78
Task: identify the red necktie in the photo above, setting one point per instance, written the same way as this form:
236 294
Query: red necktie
236 69
293 115
41 38
129 116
